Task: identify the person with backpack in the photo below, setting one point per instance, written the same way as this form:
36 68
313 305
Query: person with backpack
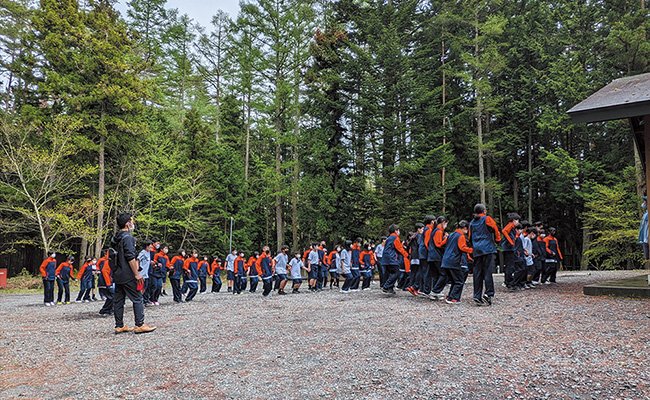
63 275
127 278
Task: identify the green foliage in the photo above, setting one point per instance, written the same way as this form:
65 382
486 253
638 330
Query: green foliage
611 217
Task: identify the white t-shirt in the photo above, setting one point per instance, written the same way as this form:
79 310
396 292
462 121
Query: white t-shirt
296 268
313 258
281 263
230 262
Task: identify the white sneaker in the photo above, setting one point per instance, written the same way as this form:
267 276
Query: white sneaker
86 301
77 301
535 283
504 284
47 304
547 283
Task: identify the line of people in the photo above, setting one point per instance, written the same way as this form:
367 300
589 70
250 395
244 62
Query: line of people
423 263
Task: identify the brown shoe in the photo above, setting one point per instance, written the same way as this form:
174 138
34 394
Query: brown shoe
144 329
123 329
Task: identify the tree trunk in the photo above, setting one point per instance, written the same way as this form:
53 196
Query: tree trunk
444 128
530 178
100 196
83 251
278 198
479 124
586 242
248 135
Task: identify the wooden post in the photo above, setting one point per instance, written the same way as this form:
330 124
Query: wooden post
646 137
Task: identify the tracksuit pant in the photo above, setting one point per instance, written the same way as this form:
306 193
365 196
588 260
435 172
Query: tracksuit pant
204 285
366 274
393 275
254 281
216 282
356 278
334 278
156 284
550 271
440 278
348 281
322 277
509 270
130 290
146 295
457 279
107 292
48 291
482 275
382 273
176 289
64 286
413 276
237 284
84 291
538 269
403 279
193 288
267 284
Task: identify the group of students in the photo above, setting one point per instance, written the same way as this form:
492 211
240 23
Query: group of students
423 263
430 258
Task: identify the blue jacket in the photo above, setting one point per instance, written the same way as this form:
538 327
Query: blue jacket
453 257
484 234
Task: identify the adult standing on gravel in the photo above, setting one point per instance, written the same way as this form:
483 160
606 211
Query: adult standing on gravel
128 281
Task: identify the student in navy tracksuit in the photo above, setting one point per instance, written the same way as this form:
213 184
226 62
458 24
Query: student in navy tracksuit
322 268
518 278
254 272
433 268
157 273
215 273
239 273
417 252
48 273
452 261
85 276
346 266
439 243
553 257
203 274
356 264
63 276
191 268
266 271
175 274
484 236
508 248
366 266
539 256
105 283
390 259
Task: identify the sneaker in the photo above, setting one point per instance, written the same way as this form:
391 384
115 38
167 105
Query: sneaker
454 301
411 290
504 285
296 291
94 298
478 302
535 283
67 302
148 304
388 291
59 303
157 303
422 294
487 299
144 329
77 301
48 305
282 292
86 301
344 291
123 329
547 283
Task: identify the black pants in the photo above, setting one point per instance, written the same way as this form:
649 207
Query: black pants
146 296
348 281
457 279
48 291
204 285
414 275
382 274
509 268
193 288
216 282
393 275
122 291
440 278
108 303
518 274
366 276
176 289
482 275
237 284
64 286
550 272
254 281
539 268
403 280
356 278
84 293
267 284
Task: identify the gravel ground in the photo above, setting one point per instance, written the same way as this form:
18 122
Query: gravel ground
551 342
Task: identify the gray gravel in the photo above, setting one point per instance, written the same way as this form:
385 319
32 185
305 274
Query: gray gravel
548 343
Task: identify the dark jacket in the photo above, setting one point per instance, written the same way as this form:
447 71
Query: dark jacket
124 244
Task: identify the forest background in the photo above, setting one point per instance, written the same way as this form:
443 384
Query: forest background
304 120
